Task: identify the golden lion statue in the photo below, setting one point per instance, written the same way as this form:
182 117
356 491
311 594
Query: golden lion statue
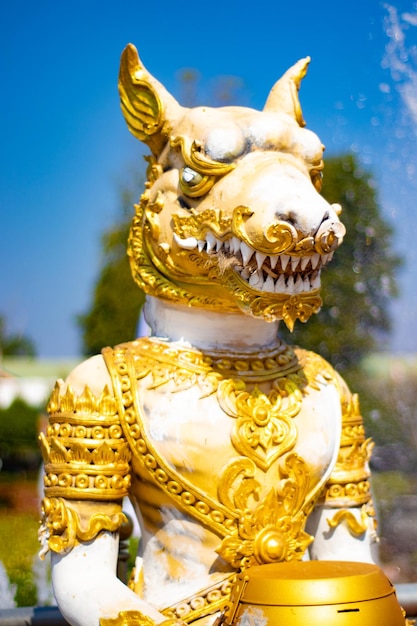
236 449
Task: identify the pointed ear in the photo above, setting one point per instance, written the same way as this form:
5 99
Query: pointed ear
283 97
149 110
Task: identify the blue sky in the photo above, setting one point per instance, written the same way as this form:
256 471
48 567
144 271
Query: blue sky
65 149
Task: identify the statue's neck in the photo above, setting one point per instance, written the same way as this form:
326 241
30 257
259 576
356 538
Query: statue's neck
209 330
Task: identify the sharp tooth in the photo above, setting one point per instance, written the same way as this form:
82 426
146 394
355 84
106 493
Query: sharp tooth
227 245
260 258
201 244
326 258
284 261
306 284
304 262
315 260
290 284
315 280
294 262
247 252
245 274
188 244
219 244
298 284
211 242
256 280
280 286
274 260
234 245
269 284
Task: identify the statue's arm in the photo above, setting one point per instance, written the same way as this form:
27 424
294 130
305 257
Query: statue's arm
343 522
87 473
86 587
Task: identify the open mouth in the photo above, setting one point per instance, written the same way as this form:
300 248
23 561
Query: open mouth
279 273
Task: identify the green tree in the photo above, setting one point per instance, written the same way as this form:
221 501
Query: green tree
117 300
360 280
19 436
14 344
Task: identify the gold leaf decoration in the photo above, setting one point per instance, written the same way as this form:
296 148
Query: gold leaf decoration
264 430
123 454
273 530
107 404
58 452
80 454
86 402
44 446
103 455
67 401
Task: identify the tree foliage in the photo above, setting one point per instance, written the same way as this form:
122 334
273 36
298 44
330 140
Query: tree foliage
360 280
117 300
14 344
19 436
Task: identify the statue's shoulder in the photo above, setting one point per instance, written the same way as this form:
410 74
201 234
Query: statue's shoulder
86 391
316 368
92 378
96 372
92 373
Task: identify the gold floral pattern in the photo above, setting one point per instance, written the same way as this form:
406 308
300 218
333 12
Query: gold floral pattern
273 531
264 429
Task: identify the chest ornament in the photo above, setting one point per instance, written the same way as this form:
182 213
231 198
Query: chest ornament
258 520
264 430
273 530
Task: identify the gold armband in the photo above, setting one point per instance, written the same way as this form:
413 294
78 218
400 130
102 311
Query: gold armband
85 454
348 484
87 464
357 524
65 524
136 618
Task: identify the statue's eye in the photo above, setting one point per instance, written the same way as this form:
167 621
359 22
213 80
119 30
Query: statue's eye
193 184
190 177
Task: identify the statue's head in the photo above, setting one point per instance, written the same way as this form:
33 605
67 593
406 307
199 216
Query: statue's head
231 218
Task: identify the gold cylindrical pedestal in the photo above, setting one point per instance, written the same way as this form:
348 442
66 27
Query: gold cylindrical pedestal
323 593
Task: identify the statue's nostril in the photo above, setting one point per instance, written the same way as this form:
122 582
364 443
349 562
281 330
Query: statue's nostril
291 218
329 236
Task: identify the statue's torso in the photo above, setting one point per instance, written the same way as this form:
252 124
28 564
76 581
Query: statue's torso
229 454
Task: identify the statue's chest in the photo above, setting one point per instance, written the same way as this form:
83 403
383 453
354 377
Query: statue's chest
204 422
202 435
